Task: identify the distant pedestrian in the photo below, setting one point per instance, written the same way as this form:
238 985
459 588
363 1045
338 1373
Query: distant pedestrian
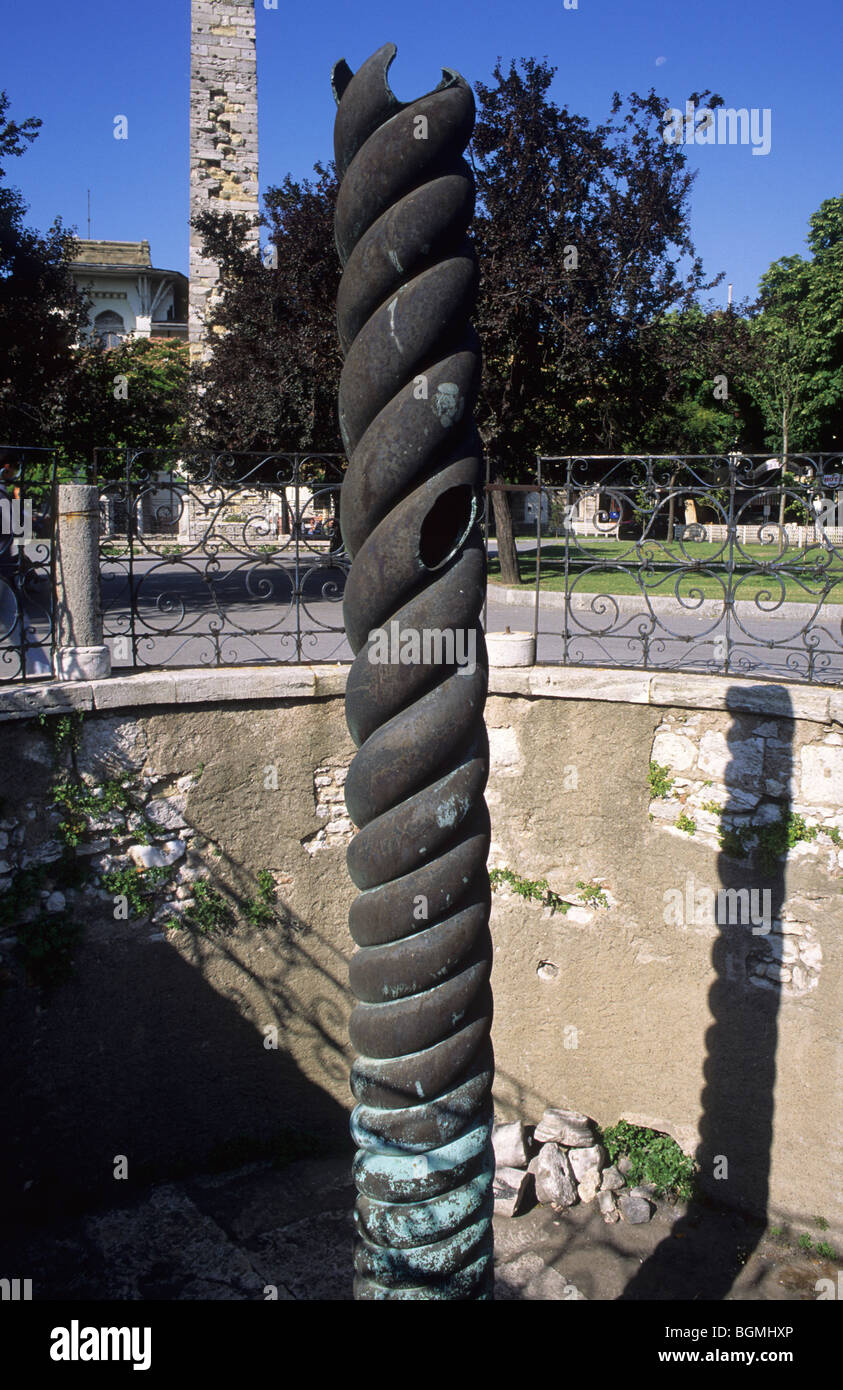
335 536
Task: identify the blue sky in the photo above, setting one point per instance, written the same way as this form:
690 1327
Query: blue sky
78 66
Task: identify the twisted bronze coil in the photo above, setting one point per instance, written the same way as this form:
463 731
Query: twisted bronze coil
410 520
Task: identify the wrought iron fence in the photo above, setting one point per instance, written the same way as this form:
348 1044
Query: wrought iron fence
221 558
730 564
27 509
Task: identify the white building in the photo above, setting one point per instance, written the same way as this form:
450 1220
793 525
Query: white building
130 298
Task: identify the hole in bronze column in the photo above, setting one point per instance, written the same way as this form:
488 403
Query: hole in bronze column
446 526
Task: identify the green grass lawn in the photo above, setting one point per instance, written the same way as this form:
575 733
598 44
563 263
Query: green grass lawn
803 574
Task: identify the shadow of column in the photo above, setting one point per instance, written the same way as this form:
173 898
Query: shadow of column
710 1244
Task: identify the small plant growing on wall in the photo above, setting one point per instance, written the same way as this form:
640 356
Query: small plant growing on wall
655 1158
733 841
775 840
592 894
260 911
79 804
660 782
537 889
137 888
208 913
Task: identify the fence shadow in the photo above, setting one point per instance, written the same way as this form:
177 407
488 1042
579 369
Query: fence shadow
161 1055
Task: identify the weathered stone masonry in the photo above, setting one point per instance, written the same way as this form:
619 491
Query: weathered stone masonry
223 131
158 1041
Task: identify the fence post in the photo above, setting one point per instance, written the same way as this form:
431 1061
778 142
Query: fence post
80 652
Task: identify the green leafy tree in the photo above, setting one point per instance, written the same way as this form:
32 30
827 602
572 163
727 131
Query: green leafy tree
781 382
41 311
130 397
798 382
580 233
700 361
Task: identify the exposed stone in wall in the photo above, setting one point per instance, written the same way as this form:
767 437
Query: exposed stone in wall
328 787
223 132
149 833
652 985
753 773
738 785
790 958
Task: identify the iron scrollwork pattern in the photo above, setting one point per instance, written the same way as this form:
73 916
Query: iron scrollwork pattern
223 559
730 564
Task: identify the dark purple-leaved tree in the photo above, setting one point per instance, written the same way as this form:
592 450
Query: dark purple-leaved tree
271 381
582 234
583 238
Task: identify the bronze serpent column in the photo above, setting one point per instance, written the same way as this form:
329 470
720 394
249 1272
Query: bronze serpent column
416 690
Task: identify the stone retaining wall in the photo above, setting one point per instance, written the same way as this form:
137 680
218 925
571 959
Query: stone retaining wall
675 969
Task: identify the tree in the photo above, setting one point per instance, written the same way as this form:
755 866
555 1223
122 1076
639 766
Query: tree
798 381
133 396
580 233
272 378
781 381
700 361
41 311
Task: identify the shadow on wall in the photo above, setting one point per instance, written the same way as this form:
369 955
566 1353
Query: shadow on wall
160 1055
514 1099
701 1261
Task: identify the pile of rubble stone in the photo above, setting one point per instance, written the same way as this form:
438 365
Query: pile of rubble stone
564 1163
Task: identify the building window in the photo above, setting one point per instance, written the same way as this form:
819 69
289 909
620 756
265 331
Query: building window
109 328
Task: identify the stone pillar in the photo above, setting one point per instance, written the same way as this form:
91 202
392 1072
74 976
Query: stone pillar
80 652
223 135
185 517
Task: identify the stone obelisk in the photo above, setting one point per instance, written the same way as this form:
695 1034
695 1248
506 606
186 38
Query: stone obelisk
223 134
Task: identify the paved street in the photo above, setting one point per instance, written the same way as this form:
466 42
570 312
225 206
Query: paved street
602 631
235 612
230 611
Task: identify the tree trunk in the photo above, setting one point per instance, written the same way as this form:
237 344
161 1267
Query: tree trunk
507 552
785 442
671 508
